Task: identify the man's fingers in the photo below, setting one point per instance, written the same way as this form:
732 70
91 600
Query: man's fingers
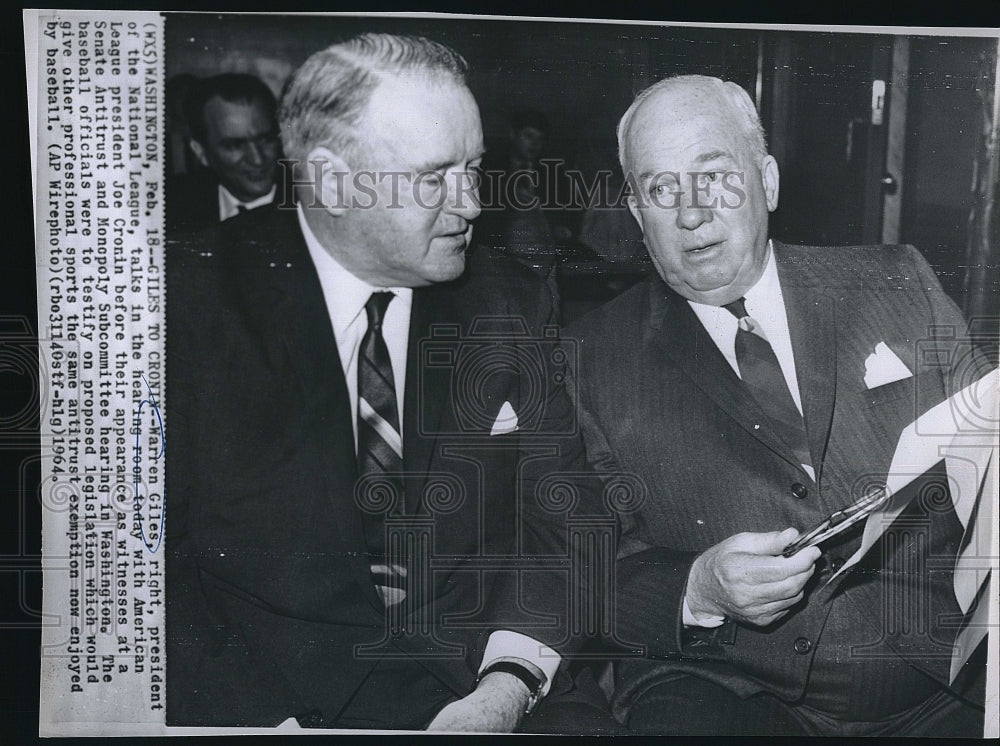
753 596
802 560
770 543
780 606
772 612
751 568
786 588
764 612
740 576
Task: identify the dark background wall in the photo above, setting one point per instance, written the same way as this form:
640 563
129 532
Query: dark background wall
583 76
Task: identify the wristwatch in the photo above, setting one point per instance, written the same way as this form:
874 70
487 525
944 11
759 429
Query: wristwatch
530 679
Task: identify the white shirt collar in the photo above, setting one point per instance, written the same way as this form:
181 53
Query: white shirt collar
346 294
760 299
765 299
230 206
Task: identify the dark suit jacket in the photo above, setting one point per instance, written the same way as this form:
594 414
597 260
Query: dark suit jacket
270 594
659 400
192 202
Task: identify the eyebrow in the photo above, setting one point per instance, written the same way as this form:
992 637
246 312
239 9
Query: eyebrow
707 157
658 172
445 165
713 155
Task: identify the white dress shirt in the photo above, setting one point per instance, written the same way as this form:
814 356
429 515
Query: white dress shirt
766 304
346 296
230 206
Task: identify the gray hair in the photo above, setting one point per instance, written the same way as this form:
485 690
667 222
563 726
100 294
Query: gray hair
325 98
741 103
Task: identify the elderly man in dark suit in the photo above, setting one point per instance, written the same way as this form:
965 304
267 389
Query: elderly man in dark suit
755 388
359 424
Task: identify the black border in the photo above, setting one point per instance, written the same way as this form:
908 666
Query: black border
19 688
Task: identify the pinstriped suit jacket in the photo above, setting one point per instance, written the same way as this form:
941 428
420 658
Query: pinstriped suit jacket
657 399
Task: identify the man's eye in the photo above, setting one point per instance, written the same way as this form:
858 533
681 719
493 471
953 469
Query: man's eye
430 179
712 177
661 190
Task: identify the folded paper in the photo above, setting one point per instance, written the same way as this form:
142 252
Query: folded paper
962 430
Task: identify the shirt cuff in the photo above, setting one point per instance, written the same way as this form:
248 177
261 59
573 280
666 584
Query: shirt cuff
505 644
691 619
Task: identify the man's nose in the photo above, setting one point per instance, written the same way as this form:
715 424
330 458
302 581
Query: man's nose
253 154
463 200
690 217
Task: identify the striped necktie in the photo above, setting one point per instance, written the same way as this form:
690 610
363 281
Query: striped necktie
761 373
380 448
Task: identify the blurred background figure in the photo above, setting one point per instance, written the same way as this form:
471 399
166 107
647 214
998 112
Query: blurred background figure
233 138
528 209
608 229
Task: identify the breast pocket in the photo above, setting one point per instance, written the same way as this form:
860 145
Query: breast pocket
896 391
880 416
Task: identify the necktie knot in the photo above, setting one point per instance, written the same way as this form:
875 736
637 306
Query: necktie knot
375 308
738 308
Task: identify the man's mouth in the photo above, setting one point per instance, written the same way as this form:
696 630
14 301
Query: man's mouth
459 238
702 248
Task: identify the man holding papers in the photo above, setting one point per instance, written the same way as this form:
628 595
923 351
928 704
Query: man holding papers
767 388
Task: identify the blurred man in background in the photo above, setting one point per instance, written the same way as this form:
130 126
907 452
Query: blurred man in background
234 137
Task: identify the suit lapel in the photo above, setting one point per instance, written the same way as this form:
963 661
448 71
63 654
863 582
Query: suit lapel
676 331
428 387
812 328
286 300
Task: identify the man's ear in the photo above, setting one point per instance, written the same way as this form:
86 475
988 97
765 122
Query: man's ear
199 152
328 173
769 179
633 207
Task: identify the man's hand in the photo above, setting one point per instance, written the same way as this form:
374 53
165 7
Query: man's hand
496 706
745 578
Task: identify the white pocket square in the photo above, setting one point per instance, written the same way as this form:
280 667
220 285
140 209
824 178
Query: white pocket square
884 366
506 421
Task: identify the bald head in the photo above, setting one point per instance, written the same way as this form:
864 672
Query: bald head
684 94
702 184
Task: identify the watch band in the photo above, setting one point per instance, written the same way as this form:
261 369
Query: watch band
530 680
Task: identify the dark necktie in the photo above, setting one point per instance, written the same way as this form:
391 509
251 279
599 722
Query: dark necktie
761 373
380 450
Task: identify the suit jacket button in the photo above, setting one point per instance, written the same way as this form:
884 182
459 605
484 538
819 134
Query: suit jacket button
836 563
799 490
802 645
